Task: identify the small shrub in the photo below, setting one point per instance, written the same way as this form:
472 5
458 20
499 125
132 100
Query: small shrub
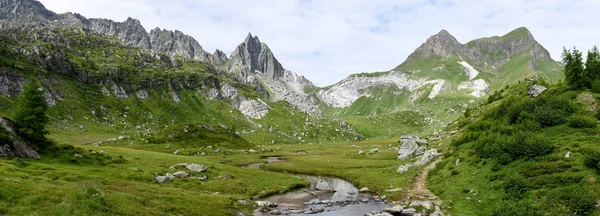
548 116
515 208
580 200
596 86
581 121
454 172
515 187
592 159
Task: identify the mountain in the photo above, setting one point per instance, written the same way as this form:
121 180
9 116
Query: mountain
440 71
443 66
113 77
253 62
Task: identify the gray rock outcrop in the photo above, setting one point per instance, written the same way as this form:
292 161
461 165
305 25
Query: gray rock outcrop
13 146
407 149
129 31
427 157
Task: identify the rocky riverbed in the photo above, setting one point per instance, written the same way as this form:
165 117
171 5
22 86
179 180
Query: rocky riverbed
325 196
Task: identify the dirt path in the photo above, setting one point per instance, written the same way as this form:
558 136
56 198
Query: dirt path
419 188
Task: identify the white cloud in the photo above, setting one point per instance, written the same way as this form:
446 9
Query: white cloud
326 40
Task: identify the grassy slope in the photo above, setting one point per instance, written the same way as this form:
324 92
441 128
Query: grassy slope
85 108
548 183
63 185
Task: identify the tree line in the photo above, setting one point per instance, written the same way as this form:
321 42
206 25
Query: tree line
579 74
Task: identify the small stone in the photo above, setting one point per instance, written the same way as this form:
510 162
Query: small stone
457 163
364 190
196 167
199 178
592 179
181 174
361 152
568 154
316 210
78 156
397 209
275 212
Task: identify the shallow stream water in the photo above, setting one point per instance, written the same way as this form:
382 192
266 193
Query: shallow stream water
345 201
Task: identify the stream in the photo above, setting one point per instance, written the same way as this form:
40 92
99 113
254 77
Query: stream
346 200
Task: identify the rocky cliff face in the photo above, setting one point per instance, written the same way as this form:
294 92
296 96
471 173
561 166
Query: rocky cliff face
130 31
252 56
24 11
10 144
178 43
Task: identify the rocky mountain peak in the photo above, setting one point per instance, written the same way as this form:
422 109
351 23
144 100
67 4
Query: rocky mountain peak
252 56
442 44
24 10
177 43
219 57
129 31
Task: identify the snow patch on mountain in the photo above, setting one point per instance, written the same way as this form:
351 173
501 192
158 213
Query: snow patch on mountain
479 87
471 72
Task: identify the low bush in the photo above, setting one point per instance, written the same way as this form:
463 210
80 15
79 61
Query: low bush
515 187
581 121
580 200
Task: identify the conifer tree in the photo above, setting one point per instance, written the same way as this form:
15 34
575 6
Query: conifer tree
31 118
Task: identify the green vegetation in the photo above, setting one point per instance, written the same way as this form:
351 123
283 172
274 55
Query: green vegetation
579 75
31 118
514 158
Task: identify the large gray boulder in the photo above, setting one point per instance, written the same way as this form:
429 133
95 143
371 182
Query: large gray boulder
427 156
13 146
407 149
535 90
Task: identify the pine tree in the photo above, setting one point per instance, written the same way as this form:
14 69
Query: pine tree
592 64
31 118
574 70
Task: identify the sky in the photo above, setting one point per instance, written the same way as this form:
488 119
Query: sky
327 40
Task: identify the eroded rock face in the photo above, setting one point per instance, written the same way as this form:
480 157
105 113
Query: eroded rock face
177 43
129 31
254 108
13 146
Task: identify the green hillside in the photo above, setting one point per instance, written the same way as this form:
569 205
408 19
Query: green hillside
524 156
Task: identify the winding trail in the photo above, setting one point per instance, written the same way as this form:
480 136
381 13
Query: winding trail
419 188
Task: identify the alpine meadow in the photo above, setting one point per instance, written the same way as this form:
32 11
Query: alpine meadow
102 117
